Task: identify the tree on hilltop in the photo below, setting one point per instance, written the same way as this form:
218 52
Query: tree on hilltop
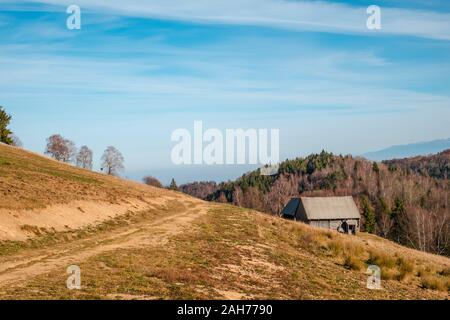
61 149
112 161
152 181
84 158
5 133
173 185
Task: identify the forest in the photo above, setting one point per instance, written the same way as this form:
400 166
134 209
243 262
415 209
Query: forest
406 200
436 166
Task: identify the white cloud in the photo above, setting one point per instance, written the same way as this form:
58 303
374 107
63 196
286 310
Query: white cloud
295 15
47 78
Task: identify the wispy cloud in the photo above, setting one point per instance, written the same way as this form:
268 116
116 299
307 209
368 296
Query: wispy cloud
140 82
153 75
295 15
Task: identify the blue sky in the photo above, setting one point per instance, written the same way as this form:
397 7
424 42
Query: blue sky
138 70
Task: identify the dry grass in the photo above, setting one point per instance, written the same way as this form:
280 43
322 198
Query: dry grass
405 267
435 282
396 263
40 195
227 253
353 263
232 252
382 259
30 181
445 272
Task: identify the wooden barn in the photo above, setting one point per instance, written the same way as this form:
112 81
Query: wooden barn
335 213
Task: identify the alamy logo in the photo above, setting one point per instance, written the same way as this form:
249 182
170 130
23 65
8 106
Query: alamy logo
237 146
74 280
74 20
374 279
374 20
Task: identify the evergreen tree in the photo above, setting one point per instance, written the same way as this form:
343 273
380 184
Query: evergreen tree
173 185
369 215
375 167
310 167
5 133
400 221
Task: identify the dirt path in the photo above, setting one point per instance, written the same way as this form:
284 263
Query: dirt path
156 232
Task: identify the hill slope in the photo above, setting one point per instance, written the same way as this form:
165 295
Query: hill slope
394 202
409 150
436 165
41 195
163 244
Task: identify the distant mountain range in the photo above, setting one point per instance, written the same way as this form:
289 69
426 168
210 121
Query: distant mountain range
409 150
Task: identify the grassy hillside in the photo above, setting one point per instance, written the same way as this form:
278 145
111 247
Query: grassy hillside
176 247
30 181
395 202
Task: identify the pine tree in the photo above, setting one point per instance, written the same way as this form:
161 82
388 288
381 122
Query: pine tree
5 133
369 215
173 185
375 167
400 221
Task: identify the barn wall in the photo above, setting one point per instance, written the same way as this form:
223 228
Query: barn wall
321 223
355 222
333 224
300 215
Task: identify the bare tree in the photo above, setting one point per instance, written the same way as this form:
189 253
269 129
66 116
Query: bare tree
238 195
280 193
152 181
112 161
61 149
222 198
16 141
199 189
84 158
253 198
429 231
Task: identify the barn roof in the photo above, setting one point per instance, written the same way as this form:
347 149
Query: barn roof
324 208
291 208
320 208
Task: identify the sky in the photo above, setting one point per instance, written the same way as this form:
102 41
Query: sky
138 70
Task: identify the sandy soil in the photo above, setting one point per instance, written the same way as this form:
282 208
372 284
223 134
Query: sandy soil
18 225
19 268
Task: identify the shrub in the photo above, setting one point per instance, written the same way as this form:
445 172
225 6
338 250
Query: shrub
152 181
381 259
435 283
445 272
353 263
405 267
388 274
392 267
336 247
424 272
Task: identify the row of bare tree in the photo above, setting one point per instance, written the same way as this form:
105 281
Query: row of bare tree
64 150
